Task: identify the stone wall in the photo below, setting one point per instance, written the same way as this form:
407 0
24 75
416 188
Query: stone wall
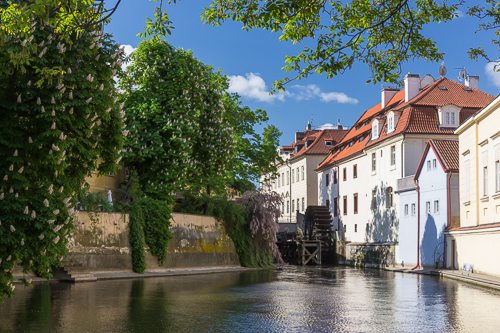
376 255
198 241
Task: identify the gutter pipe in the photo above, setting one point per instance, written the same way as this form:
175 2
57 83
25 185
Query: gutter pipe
418 225
449 219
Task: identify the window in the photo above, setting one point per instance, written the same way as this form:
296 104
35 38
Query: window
293 176
351 144
355 203
279 181
328 143
355 228
344 172
436 207
374 199
297 174
388 194
406 210
303 204
452 122
428 207
335 206
390 128
282 208
345 204
434 164
413 209
302 172
375 130
335 177
327 204
485 181
449 118
393 155
345 228
327 180
293 206
288 177
497 173
374 162
298 204
283 179
428 165
355 171
381 153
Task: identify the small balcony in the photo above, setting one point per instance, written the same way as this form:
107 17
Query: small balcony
406 184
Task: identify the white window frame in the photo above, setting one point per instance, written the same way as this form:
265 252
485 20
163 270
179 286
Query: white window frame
393 156
434 163
374 163
375 130
413 209
428 164
298 175
288 177
390 123
303 204
302 172
428 207
436 206
406 210
293 176
497 173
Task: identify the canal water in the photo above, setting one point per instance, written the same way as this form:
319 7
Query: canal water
292 299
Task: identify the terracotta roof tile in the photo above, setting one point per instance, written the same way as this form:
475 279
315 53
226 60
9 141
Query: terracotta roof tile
318 146
448 153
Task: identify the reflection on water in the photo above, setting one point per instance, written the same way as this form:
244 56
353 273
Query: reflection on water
292 299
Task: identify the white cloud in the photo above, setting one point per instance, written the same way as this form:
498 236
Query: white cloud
493 73
253 86
128 49
338 97
459 14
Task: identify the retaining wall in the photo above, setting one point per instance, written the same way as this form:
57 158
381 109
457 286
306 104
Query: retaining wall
198 241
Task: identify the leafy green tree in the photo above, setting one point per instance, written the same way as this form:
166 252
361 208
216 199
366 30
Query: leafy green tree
58 116
381 34
184 129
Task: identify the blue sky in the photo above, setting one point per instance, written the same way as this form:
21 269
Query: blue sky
253 60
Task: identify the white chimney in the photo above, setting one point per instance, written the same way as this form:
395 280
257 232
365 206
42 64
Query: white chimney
472 81
387 94
411 86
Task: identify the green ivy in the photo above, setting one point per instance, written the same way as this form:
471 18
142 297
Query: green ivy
157 215
136 234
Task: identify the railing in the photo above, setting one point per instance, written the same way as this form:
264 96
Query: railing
406 183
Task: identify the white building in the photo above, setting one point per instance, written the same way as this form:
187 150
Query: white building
296 179
435 205
385 146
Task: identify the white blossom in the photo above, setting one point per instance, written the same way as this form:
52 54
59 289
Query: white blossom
41 237
26 210
55 212
15 152
43 109
66 200
101 88
46 202
12 229
56 229
29 83
108 109
52 100
22 241
9 257
55 148
61 189
89 100
11 168
56 240
33 214
50 189
19 99
71 96
1 196
51 221
66 221
69 70
21 169
71 111
30 140
53 125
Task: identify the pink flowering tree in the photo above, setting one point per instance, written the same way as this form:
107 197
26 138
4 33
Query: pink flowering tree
264 208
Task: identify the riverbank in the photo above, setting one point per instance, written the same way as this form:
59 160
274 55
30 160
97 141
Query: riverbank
472 278
148 274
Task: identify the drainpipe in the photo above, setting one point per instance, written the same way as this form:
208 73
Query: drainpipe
449 219
418 225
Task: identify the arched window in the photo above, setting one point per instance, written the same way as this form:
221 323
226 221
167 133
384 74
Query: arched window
388 197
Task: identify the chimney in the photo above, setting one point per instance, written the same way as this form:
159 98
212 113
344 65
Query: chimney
299 136
387 94
411 86
308 127
338 127
472 81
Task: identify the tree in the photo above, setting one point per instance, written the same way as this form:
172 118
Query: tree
184 129
381 34
59 116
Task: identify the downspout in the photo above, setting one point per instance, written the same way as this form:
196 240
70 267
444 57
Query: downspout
418 225
402 156
449 219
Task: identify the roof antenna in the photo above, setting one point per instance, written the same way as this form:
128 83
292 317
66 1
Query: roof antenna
312 117
462 74
442 70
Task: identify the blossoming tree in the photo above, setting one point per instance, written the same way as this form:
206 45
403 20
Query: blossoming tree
59 115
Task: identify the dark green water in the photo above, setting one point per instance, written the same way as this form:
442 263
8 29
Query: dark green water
293 299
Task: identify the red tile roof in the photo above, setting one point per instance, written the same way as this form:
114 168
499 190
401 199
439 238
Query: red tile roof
448 153
419 115
318 146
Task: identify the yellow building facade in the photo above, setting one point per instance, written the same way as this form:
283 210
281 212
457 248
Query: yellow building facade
104 183
476 242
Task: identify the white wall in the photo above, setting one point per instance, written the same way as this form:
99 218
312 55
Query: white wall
406 250
328 193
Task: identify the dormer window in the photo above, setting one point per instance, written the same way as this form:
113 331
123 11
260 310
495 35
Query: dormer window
351 143
390 121
361 139
375 129
328 143
449 115
296 149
